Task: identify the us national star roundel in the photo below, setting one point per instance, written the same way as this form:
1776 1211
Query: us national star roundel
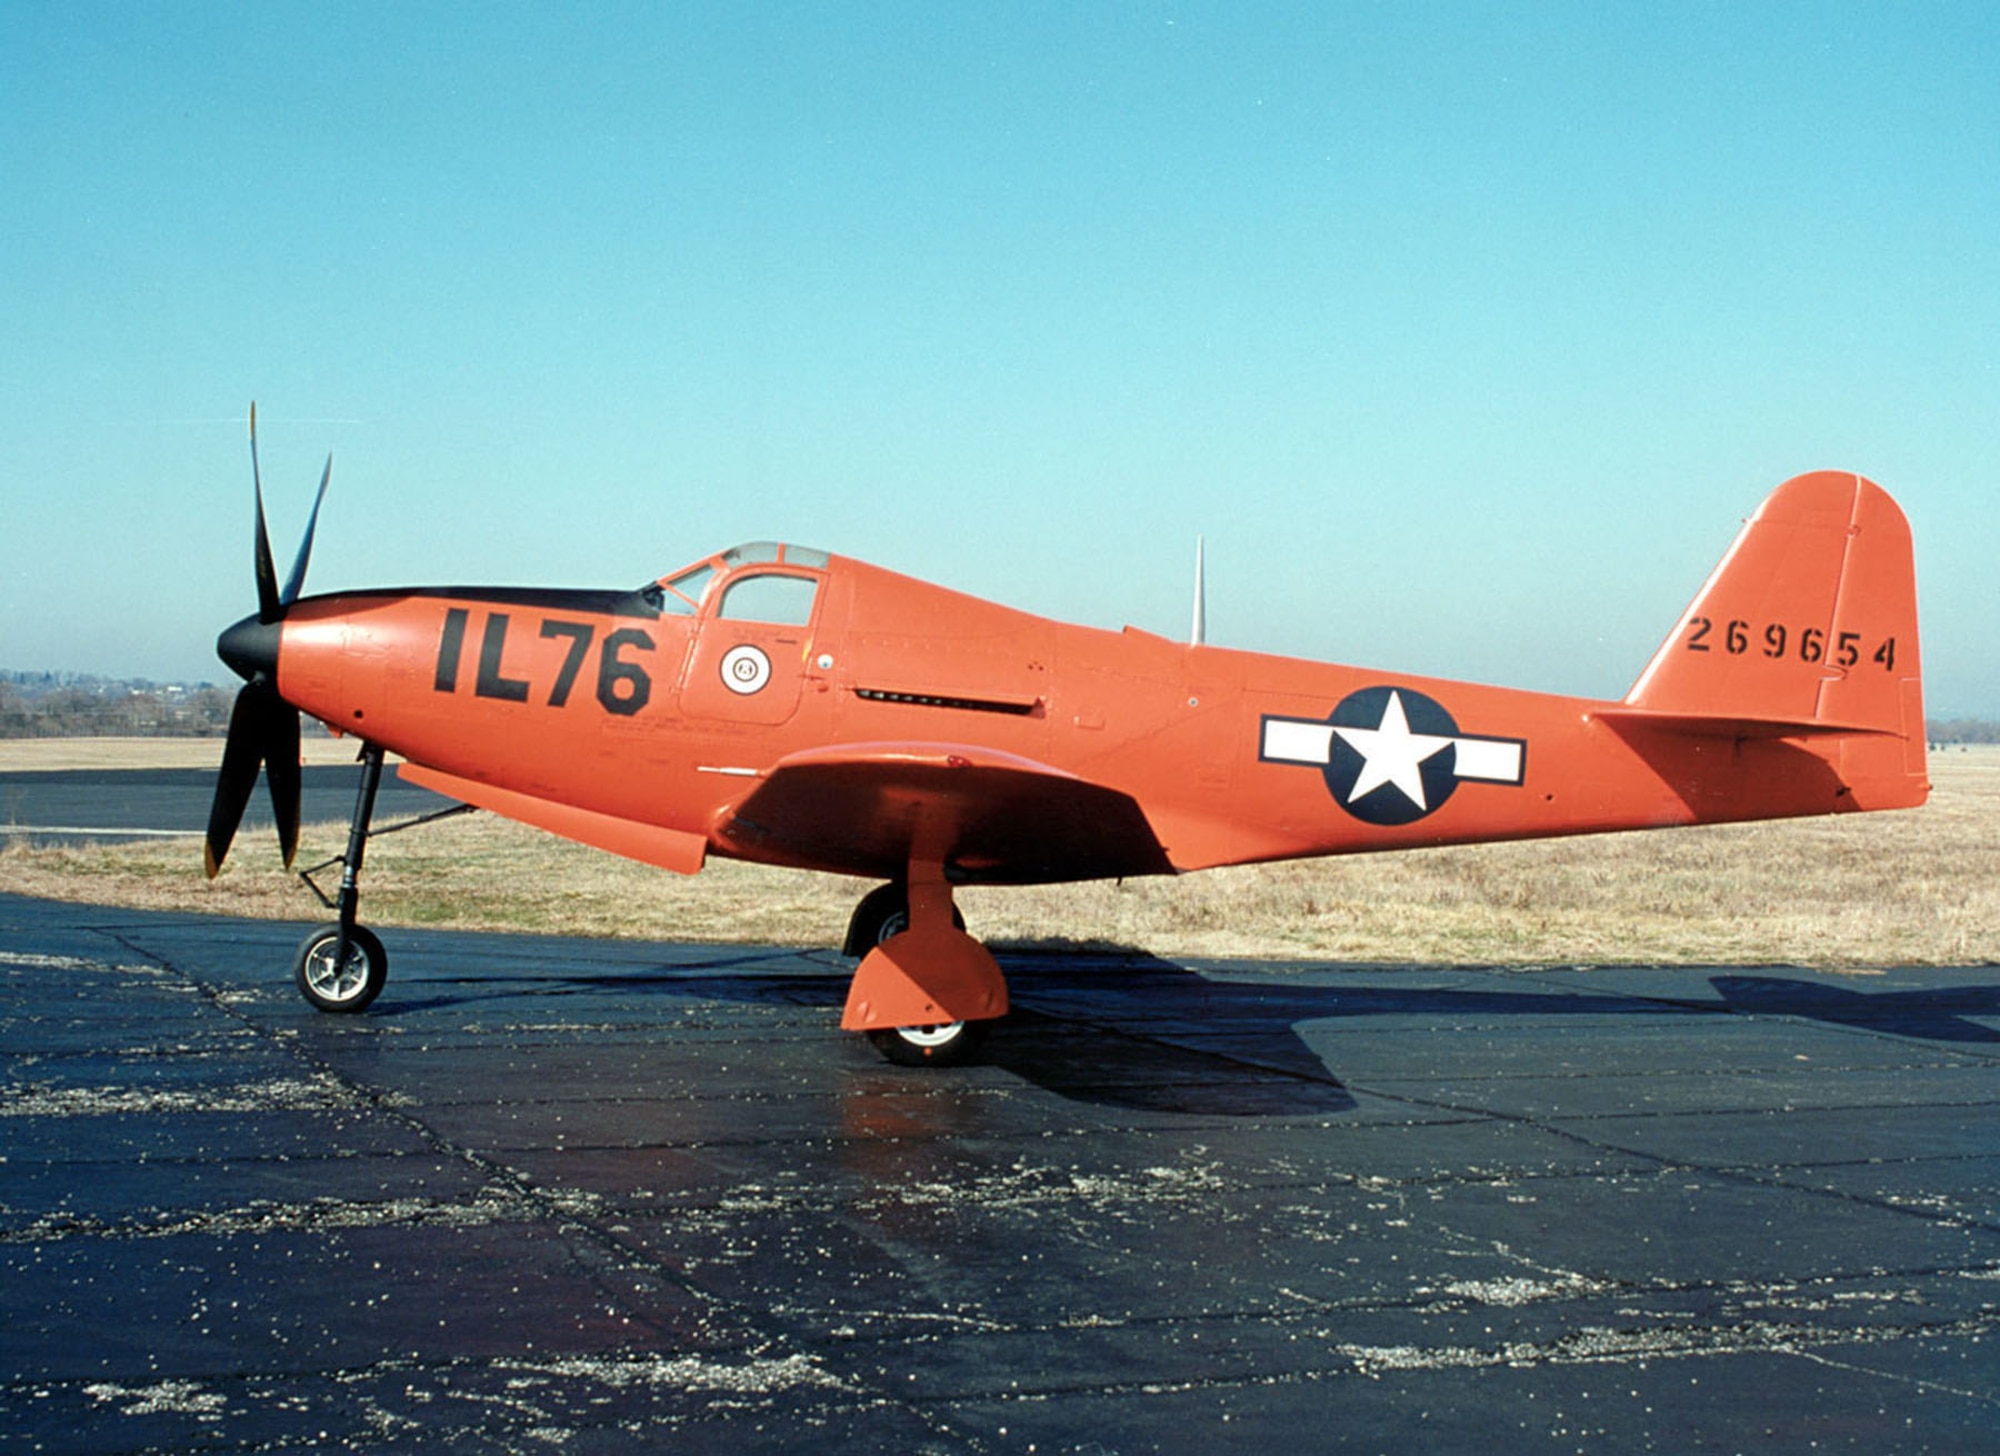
1391 755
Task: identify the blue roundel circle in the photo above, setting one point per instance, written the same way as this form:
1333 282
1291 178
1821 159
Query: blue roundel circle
1398 749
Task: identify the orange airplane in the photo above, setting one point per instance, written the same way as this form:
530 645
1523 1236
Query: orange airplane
789 706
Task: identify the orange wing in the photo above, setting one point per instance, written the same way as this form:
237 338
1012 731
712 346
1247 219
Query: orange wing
670 849
988 816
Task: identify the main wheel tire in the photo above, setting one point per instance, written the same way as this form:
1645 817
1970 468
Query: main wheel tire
884 911
883 914
950 1045
347 987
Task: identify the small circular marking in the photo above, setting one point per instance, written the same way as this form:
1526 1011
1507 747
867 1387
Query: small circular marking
745 669
825 661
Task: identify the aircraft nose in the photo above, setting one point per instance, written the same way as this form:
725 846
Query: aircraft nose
250 647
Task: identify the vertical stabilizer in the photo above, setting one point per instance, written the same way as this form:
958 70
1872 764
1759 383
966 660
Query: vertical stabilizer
1807 631
1810 619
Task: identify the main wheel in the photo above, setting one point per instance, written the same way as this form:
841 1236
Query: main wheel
949 1045
349 986
884 913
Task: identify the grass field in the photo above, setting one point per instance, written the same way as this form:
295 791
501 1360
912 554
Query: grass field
48 755
1920 886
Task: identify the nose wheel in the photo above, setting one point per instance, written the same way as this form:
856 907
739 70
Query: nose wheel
341 971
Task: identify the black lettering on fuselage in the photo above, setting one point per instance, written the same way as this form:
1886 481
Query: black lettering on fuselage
491 684
450 646
624 687
579 634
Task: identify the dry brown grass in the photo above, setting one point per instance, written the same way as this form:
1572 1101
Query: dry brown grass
47 755
1921 886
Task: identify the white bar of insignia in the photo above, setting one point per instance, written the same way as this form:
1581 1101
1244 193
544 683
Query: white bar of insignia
1492 760
1290 741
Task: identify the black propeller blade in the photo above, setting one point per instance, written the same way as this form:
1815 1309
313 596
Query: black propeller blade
268 607
289 593
263 727
242 752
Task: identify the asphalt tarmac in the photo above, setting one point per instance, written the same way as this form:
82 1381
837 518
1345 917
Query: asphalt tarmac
576 1196
69 805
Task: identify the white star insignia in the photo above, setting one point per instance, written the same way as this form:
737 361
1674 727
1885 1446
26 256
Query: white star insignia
1392 754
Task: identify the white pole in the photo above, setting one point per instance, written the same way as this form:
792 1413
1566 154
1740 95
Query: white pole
1200 632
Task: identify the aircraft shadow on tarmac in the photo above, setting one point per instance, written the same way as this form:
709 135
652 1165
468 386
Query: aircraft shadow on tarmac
1133 1031
1932 1014
1144 1032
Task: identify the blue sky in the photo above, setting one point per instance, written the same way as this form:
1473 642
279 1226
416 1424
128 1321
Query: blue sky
1466 333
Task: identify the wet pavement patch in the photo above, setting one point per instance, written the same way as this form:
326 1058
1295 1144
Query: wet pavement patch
598 1196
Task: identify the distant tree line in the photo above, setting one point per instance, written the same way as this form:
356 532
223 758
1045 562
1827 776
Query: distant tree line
72 705
1964 730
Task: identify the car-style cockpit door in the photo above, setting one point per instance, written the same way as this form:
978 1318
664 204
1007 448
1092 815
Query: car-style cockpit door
752 646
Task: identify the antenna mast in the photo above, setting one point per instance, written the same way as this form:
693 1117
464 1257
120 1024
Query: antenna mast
1199 634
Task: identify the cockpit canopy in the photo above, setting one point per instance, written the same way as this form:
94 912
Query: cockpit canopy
781 596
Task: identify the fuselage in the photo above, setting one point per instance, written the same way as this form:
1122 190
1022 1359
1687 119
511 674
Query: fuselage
665 707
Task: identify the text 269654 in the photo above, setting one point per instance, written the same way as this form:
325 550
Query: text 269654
1737 637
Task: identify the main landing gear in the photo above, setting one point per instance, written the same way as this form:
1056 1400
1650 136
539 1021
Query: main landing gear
925 991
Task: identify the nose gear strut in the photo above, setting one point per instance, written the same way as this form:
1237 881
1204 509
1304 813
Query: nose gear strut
342 967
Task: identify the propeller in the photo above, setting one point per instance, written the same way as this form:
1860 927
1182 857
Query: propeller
263 727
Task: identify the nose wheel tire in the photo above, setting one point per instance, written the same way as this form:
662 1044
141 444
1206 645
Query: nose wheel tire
948 1045
348 986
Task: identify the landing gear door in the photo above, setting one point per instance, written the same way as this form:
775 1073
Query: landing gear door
753 649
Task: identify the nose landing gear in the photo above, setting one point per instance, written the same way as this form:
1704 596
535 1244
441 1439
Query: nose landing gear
343 966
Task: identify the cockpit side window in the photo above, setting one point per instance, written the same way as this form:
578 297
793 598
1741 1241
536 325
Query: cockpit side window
786 601
683 593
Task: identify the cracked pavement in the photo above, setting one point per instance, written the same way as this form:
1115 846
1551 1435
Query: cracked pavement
561 1195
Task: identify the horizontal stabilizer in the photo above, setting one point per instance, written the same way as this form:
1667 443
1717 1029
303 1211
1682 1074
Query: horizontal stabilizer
1734 726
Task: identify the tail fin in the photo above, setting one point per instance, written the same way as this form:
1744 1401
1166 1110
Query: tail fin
1807 628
